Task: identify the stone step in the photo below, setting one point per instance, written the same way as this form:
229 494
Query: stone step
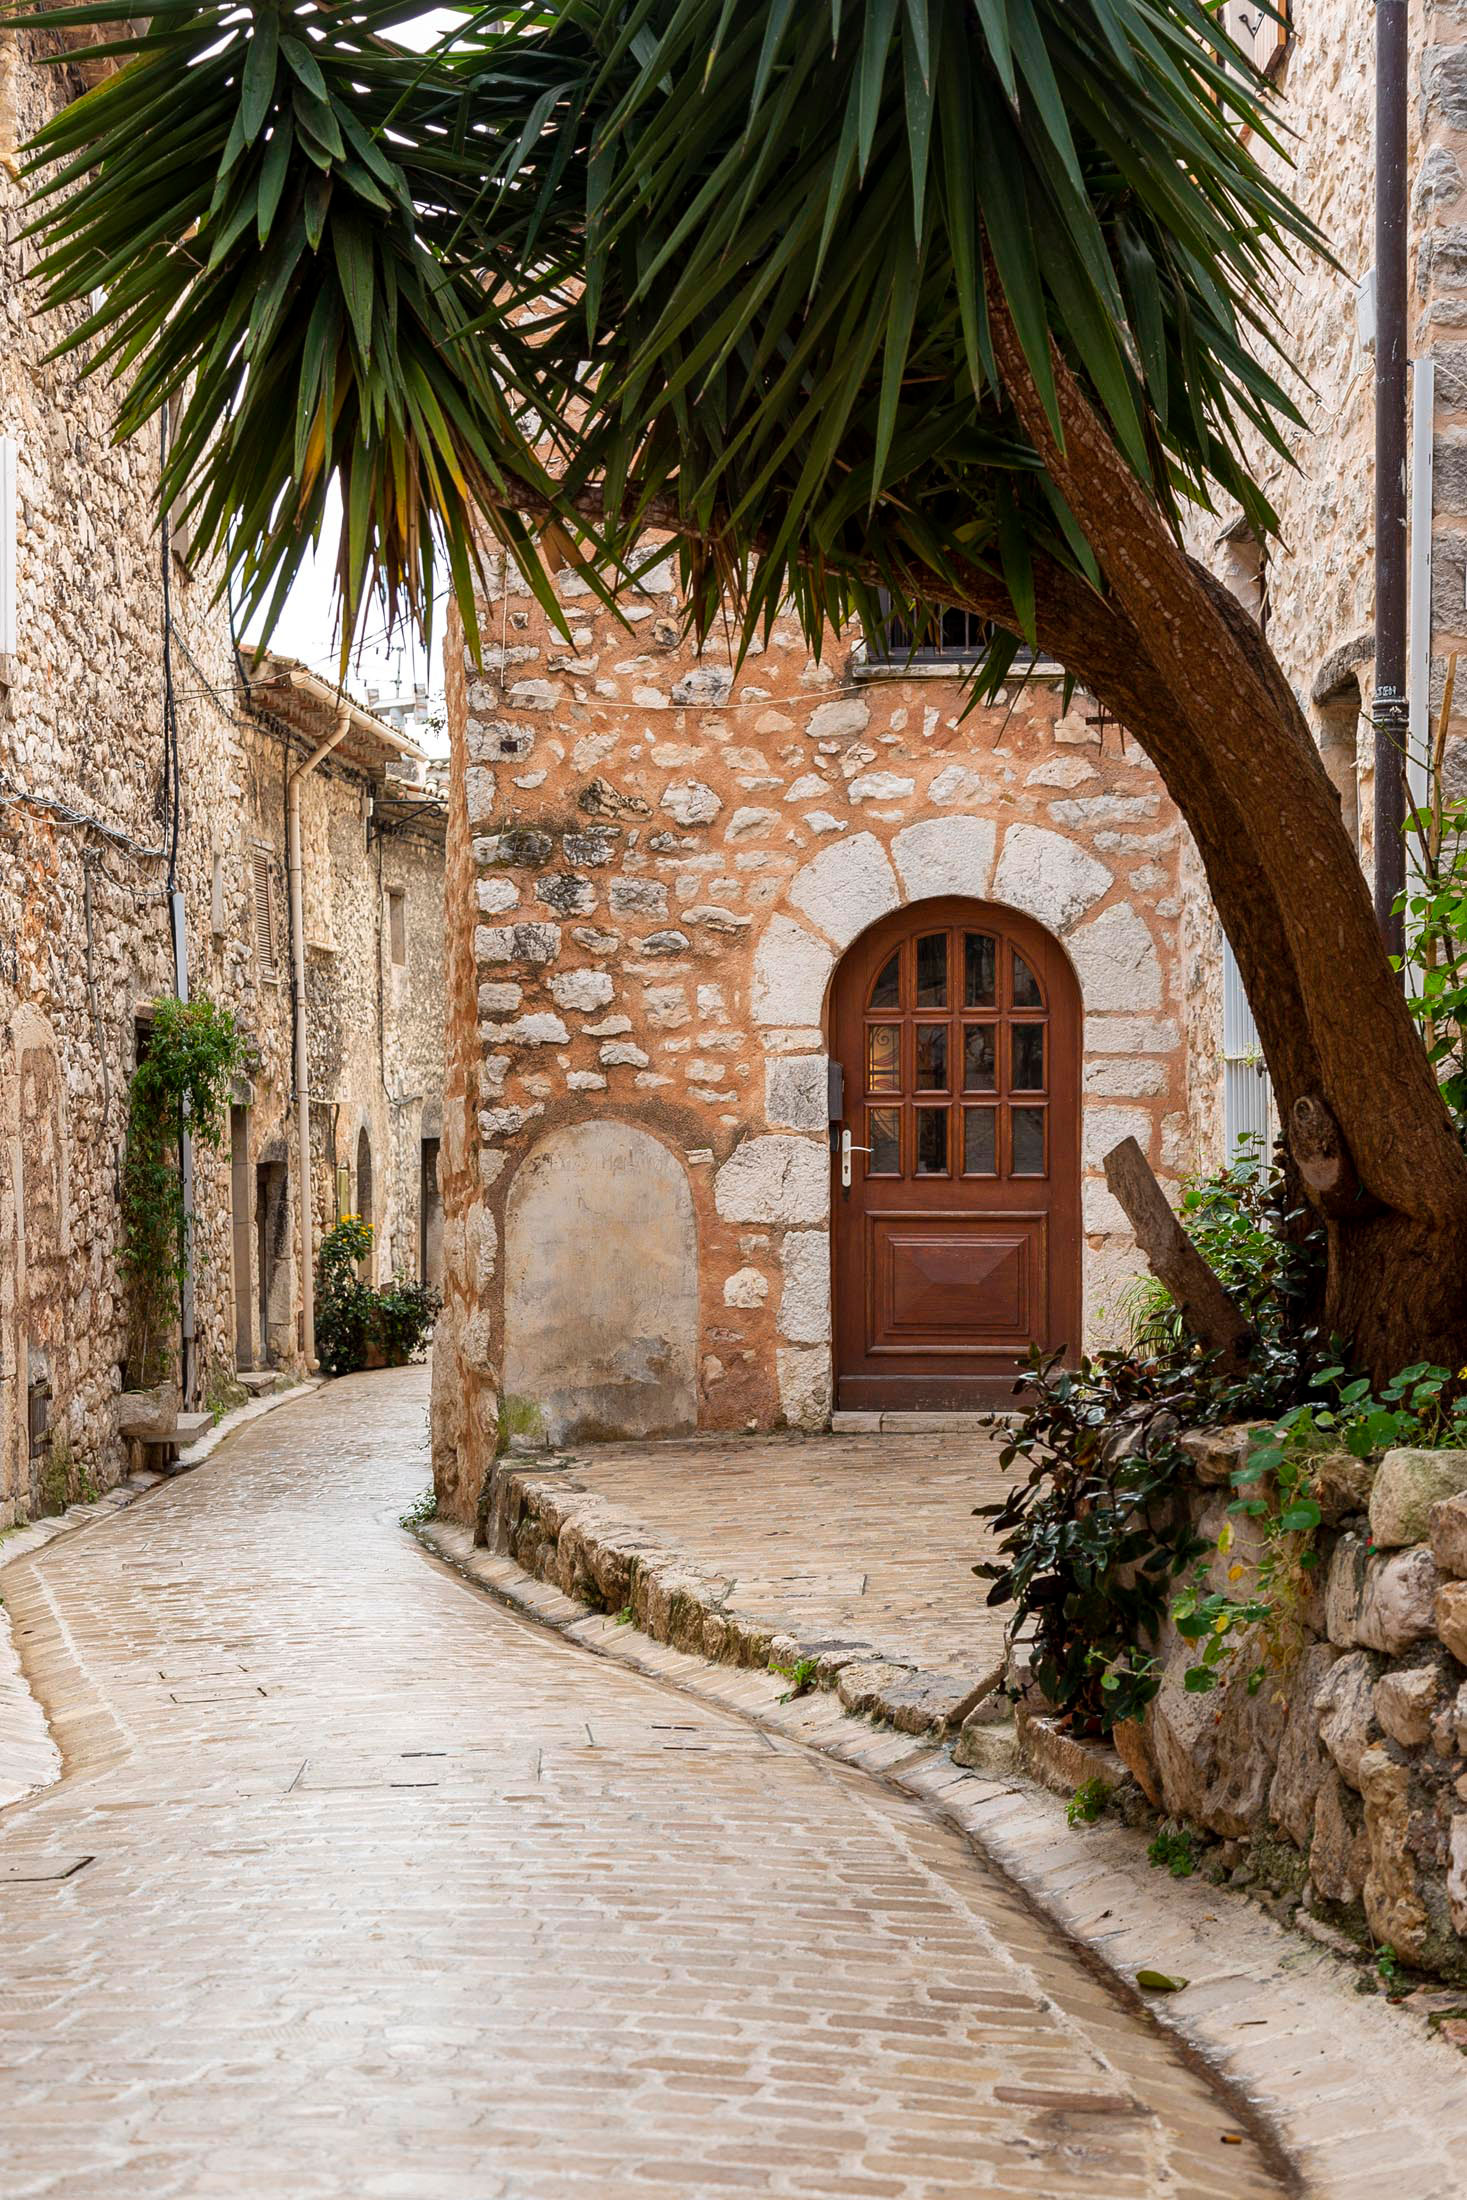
189 1427
917 1424
259 1381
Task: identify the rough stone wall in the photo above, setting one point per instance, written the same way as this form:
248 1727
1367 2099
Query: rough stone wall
85 942
663 863
1345 1767
1319 577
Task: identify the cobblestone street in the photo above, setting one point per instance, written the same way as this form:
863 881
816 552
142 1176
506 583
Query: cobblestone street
355 1885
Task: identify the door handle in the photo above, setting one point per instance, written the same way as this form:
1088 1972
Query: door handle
846 1150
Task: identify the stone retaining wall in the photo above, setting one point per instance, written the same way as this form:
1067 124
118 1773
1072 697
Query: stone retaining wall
1350 1760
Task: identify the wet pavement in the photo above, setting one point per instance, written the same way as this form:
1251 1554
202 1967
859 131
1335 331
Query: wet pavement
356 1885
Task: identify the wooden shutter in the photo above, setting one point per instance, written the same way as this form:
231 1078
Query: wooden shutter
264 927
1262 36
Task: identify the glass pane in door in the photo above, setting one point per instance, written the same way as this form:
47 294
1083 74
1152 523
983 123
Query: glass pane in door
980 970
887 991
883 1057
932 1141
980 1142
1028 1131
884 1137
980 1062
1028 1059
932 1057
932 971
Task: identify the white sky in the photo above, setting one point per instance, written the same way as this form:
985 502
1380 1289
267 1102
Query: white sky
308 628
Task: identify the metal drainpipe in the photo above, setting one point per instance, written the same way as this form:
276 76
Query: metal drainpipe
1389 710
295 871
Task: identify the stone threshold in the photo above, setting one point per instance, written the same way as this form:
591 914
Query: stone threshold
29 1757
917 1424
1346 2089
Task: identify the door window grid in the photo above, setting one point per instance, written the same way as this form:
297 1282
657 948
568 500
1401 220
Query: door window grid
1005 1054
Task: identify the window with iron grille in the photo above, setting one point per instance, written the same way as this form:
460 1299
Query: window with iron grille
949 638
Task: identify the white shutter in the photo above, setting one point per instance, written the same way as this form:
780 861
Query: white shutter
1247 1093
1260 34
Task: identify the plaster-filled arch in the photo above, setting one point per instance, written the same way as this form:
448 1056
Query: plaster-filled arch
601 1287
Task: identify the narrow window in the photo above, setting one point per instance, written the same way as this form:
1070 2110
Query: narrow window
263 914
216 897
397 923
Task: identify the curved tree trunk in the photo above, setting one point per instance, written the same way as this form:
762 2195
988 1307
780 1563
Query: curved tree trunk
1185 670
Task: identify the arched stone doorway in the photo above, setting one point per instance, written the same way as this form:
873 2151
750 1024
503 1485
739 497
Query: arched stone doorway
957 1234
601 1287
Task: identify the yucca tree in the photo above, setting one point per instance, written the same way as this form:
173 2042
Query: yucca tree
967 299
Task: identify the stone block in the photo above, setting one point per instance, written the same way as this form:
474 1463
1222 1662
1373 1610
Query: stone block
842 721
791 970
637 897
691 802
804 1385
1385 1602
1408 1484
745 1288
1218 1453
796 1091
1451 1618
1048 876
1344 1703
1447 1525
1302 1762
1115 957
1457 1873
774 1179
587 990
664 944
846 887
1398 1605
1339 1854
1393 1905
880 787
804 1305
1406 1701
945 855
705 687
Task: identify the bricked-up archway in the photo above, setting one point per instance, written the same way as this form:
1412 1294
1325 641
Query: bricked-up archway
600 1287
955 1025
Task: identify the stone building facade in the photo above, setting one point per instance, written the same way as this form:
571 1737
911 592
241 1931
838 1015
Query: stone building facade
90 794
1314 586
659 868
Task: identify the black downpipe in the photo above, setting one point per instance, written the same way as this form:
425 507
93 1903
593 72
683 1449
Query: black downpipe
1389 710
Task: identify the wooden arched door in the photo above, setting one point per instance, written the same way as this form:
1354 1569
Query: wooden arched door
957 1237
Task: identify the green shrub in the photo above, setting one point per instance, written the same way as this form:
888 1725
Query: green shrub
354 1322
1095 1537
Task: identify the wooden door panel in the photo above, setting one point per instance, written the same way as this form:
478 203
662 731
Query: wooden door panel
965 1285
957 1244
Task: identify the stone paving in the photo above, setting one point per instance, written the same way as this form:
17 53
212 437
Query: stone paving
871 1537
354 1885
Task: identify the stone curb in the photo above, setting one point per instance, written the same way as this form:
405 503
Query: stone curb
560 1531
29 1757
1349 2092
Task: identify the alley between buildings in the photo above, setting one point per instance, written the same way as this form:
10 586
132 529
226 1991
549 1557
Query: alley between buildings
356 1885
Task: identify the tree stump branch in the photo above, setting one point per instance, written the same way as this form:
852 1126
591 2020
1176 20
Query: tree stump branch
1173 1259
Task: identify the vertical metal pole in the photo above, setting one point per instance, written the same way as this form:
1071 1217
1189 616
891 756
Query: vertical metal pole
188 1310
1390 710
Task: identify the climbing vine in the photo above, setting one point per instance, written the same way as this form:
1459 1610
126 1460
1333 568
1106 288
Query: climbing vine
193 1054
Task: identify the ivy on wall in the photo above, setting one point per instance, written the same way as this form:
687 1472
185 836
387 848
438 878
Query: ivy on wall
193 1053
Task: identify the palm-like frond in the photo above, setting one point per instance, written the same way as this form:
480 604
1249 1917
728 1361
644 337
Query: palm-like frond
728 260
